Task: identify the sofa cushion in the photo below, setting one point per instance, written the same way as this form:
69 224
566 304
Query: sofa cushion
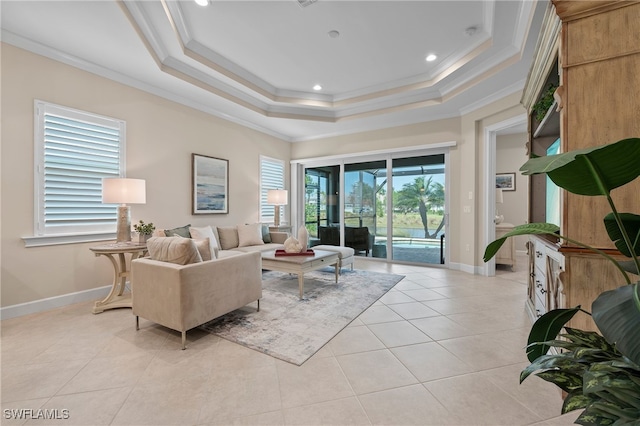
183 231
228 237
206 232
182 251
250 235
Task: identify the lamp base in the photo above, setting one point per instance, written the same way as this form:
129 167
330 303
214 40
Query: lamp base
499 219
123 233
276 216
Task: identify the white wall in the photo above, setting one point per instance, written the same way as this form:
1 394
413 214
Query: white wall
511 154
161 136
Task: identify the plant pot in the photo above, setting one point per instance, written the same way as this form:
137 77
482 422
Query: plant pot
142 238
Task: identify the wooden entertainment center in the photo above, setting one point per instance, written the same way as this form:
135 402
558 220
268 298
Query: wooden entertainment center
590 50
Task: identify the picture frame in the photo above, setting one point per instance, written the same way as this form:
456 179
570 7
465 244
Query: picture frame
210 185
506 181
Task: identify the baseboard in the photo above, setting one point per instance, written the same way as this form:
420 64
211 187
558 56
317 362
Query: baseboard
469 269
53 302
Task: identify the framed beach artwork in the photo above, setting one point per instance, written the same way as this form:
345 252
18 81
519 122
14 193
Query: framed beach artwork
210 184
506 181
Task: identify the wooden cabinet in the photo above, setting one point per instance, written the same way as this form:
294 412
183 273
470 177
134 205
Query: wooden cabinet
507 253
592 49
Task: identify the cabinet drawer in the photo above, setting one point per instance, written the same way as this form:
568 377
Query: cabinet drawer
540 285
539 255
540 307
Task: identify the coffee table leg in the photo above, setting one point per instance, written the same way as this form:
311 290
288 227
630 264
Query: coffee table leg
301 283
337 271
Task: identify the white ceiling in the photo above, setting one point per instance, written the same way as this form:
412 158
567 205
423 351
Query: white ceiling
256 62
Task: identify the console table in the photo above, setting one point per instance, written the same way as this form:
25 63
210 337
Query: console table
117 298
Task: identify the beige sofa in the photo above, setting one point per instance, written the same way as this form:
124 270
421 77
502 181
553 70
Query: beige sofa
243 238
182 297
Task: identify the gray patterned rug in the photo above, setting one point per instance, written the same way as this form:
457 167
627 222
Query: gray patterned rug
292 329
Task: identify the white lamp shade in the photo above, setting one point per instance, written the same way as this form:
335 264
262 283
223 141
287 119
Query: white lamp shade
124 191
277 197
499 196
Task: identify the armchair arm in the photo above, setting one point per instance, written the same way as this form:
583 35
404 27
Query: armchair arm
184 296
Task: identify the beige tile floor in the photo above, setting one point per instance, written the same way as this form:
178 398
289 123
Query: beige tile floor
441 348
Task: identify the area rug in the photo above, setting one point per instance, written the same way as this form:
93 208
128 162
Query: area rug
292 329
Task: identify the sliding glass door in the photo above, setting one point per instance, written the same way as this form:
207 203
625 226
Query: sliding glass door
363 205
392 208
321 197
419 209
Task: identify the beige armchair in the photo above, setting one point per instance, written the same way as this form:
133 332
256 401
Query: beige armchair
182 297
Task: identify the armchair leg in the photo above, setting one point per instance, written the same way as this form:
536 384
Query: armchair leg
184 340
258 305
137 323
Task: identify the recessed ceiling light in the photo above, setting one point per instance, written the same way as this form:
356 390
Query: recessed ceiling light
202 2
317 87
334 33
431 58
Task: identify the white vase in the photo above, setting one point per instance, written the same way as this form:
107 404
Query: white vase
303 238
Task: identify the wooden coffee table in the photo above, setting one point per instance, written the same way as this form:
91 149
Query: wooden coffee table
300 264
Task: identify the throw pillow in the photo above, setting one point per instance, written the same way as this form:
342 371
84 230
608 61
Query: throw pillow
228 237
182 251
183 231
204 248
250 235
266 235
206 232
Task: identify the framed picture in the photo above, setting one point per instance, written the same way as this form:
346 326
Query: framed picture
210 192
506 181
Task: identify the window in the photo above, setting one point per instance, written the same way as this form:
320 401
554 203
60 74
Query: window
271 177
74 150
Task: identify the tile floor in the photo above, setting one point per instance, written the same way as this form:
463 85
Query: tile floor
441 348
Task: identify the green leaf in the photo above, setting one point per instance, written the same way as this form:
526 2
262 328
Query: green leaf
566 381
629 266
526 229
563 361
547 328
617 316
590 339
591 171
590 418
631 224
575 401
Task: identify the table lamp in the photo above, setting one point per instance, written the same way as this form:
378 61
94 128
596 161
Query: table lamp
277 197
123 191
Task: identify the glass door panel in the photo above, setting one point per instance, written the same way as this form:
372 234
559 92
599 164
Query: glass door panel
419 209
322 214
364 206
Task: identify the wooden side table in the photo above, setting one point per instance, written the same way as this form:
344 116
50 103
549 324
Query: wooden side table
507 253
117 298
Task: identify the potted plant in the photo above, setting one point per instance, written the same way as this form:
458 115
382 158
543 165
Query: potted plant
598 373
144 230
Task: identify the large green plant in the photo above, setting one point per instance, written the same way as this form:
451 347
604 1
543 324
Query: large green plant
599 374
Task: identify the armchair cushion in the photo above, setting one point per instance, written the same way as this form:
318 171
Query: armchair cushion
178 250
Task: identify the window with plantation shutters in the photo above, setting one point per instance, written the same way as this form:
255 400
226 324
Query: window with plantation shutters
74 151
271 177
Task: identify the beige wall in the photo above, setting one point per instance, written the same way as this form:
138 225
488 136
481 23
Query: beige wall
161 136
511 154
